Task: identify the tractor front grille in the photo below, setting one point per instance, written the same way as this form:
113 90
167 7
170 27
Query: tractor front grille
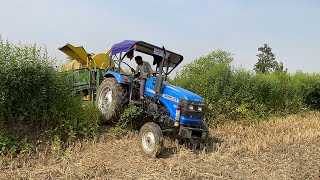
195 113
191 114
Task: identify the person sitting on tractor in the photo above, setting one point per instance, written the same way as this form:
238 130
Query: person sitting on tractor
145 69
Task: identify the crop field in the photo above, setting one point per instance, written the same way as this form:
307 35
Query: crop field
53 135
282 148
237 80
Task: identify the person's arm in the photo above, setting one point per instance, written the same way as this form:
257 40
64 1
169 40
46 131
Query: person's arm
150 68
135 71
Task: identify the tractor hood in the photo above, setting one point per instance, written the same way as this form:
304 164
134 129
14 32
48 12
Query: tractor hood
172 93
181 93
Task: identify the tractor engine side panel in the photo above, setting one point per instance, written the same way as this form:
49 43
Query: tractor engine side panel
171 96
168 97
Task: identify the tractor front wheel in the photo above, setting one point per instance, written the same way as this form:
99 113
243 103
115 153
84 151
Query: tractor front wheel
151 139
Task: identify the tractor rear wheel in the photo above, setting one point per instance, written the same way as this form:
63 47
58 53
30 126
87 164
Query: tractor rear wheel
111 99
151 139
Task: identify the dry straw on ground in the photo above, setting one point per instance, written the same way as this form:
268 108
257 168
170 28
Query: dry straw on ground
287 148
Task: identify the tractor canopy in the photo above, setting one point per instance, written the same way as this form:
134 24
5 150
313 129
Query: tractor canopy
173 59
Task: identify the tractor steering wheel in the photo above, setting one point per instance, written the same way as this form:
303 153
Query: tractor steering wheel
117 63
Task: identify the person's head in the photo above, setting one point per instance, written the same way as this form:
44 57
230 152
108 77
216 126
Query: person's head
138 60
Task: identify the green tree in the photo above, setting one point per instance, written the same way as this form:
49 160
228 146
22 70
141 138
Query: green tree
267 61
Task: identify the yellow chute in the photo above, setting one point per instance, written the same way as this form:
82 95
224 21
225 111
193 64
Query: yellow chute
102 60
71 65
82 59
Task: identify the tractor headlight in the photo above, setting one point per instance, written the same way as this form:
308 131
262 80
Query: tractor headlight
200 108
191 107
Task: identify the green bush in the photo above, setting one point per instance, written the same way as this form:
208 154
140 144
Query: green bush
309 86
237 93
131 119
34 96
129 116
12 144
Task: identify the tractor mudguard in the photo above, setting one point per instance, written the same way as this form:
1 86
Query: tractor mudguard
122 79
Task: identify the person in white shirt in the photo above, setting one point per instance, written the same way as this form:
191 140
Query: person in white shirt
145 69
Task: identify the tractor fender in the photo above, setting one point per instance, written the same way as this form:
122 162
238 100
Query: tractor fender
122 79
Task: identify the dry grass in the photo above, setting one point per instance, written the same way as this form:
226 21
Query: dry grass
287 148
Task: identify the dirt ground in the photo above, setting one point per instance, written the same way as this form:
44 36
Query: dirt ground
284 148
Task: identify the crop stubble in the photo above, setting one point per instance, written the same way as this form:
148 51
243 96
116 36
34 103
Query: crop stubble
283 148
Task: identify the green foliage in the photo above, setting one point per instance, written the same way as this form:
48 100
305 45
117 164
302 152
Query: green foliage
33 94
128 120
239 94
267 61
129 116
309 86
12 144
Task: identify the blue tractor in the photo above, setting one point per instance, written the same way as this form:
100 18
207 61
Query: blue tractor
169 108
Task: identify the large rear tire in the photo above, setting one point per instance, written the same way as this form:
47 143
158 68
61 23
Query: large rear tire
111 99
151 139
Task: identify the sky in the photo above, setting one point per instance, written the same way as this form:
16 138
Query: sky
191 28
